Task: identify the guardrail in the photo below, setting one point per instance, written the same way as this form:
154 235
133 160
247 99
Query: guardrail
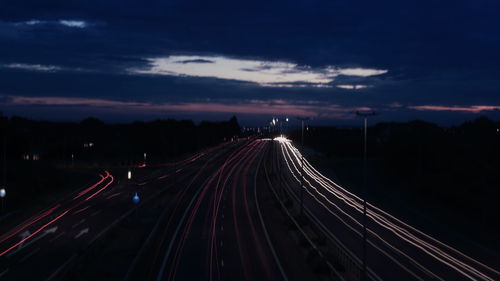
333 271
346 258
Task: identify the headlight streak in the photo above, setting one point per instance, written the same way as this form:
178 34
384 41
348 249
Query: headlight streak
383 219
393 228
358 208
356 231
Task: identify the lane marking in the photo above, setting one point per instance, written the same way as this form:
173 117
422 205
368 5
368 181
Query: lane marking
174 237
4 272
61 267
81 210
29 255
82 232
58 235
113 195
22 245
78 223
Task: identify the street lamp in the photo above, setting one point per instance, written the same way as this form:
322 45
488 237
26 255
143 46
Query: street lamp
302 119
365 115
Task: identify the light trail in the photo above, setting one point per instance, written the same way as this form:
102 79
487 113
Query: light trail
325 187
194 211
33 234
170 220
27 224
216 207
45 214
92 187
112 179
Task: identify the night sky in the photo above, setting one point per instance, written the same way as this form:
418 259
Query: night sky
128 60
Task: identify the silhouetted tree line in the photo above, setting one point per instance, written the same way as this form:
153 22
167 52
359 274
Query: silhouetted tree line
39 153
455 166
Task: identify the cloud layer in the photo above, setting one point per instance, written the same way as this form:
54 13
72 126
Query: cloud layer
262 72
437 61
62 22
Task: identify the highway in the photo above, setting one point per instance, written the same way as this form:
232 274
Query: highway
230 212
396 250
212 231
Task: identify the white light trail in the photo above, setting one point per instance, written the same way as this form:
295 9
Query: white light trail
321 189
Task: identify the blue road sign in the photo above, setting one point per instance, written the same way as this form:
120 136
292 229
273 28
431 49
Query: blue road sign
136 198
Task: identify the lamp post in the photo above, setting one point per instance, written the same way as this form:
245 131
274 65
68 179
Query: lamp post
302 119
365 116
2 190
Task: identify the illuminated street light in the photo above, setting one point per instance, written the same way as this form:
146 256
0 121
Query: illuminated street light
129 175
302 119
365 115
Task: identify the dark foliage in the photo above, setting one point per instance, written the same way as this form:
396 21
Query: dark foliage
455 167
95 145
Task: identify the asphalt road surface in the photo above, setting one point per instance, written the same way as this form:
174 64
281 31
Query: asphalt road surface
223 214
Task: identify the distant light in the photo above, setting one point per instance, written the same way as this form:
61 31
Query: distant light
89 144
129 175
2 193
286 119
281 139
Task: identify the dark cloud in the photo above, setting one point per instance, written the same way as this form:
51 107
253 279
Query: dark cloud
195 61
436 52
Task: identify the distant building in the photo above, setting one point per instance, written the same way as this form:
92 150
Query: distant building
31 156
